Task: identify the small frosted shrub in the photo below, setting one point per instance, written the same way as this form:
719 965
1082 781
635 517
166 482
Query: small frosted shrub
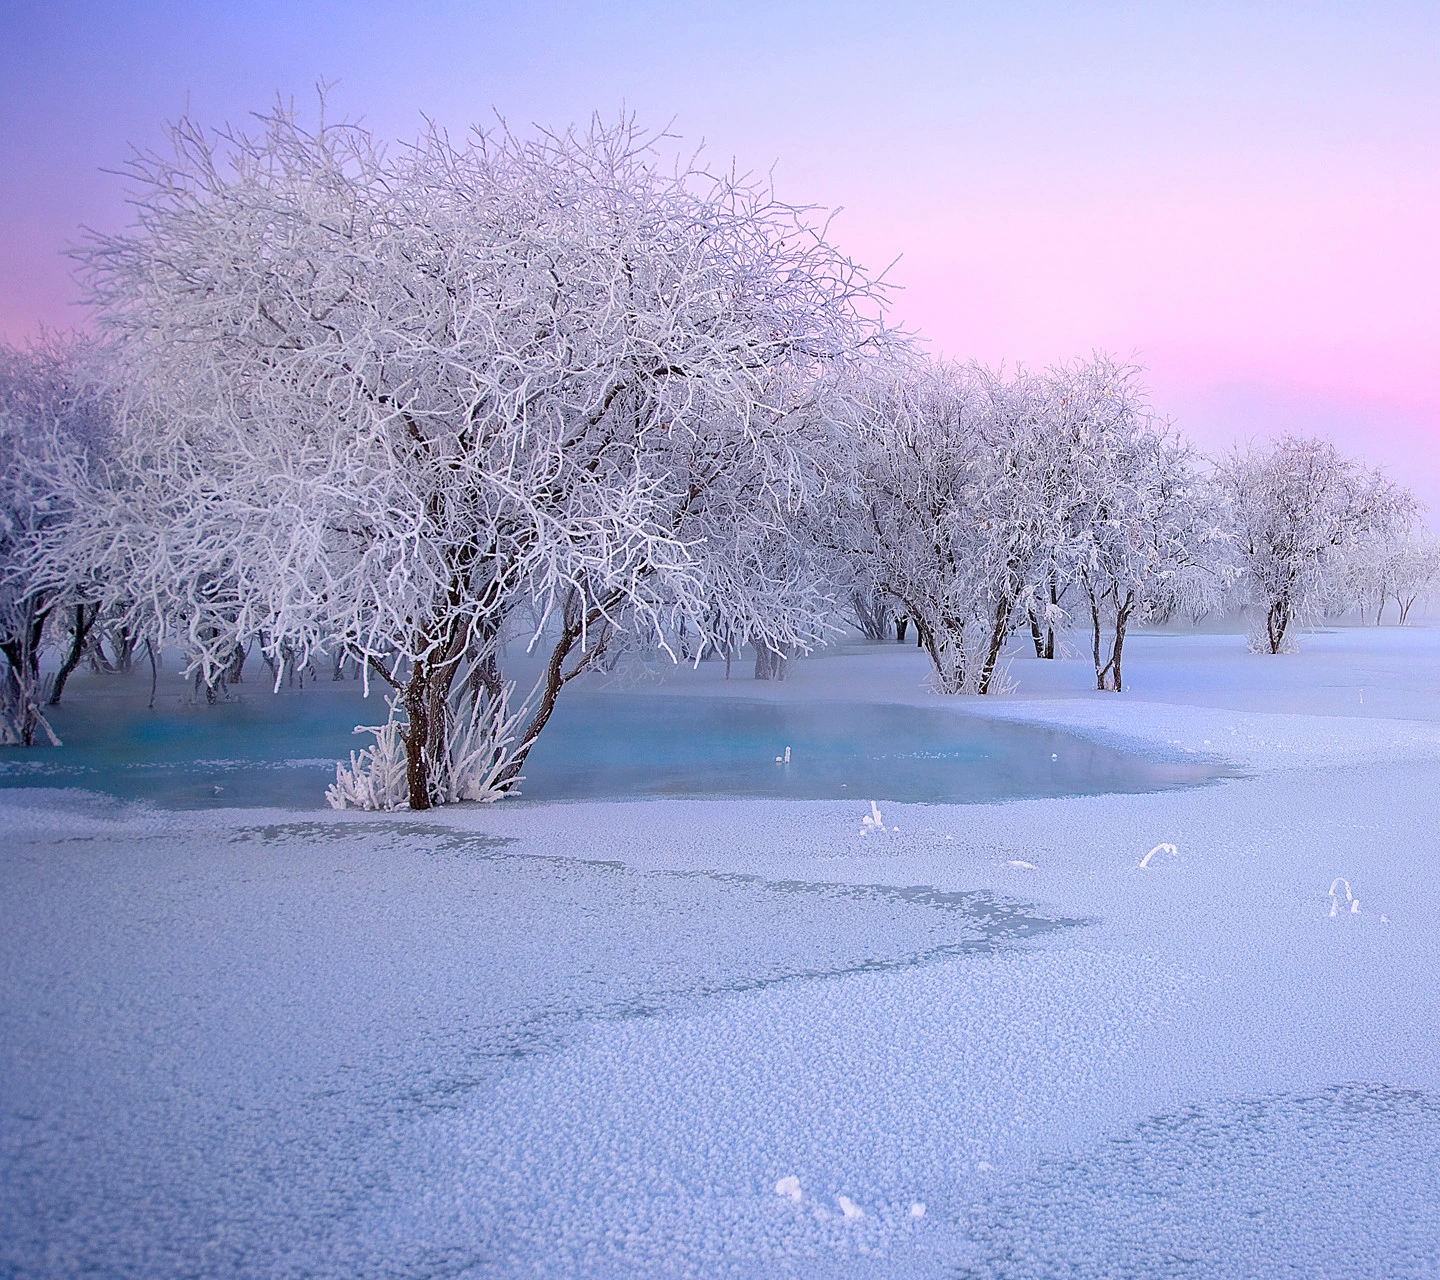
480 747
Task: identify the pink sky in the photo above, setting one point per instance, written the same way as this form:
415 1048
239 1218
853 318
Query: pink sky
1246 198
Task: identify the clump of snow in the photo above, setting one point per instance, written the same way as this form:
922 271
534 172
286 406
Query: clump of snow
1349 897
789 1187
852 1211
872 821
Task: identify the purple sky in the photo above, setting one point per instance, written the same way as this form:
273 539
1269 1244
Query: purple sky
1245 196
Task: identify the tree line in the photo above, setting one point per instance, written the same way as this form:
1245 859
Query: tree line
398 412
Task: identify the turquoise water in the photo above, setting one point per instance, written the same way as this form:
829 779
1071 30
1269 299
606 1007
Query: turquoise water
269 749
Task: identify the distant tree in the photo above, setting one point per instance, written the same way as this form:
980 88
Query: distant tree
1142 524
1403 566
390 404
980 500
940 517
1299 507
872 613
53 421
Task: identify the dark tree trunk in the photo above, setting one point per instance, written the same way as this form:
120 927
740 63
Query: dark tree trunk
235 672
1277 621
426 699
80 635
1122 618
154 671
122 644
415 735
1095 640
998 631
1036 638
902 624
214 689
1050 626
769 663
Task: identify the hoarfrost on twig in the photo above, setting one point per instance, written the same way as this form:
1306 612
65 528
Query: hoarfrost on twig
1159 848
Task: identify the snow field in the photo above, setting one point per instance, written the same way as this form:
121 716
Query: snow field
591 1039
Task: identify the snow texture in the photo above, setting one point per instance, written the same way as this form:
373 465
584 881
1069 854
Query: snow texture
684 1037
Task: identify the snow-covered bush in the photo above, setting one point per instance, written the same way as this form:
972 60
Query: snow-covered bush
391 403
377 778
480 748
1299 508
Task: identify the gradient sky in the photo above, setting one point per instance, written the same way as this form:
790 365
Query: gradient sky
1244 196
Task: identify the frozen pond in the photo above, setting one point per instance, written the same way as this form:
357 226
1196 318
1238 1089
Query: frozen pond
278 750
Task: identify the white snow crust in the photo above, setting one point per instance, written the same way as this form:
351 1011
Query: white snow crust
596 1039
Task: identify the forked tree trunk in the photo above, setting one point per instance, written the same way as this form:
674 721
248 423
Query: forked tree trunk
1109 677
20 700
426 699
594 629
947 661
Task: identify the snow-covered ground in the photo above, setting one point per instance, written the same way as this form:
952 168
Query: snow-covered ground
591 1038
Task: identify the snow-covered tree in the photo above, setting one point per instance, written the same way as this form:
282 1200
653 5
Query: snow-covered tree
1142 523
941 517
1400 565
1414 571
53 421
390 403
980 500
1299 506
871 610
